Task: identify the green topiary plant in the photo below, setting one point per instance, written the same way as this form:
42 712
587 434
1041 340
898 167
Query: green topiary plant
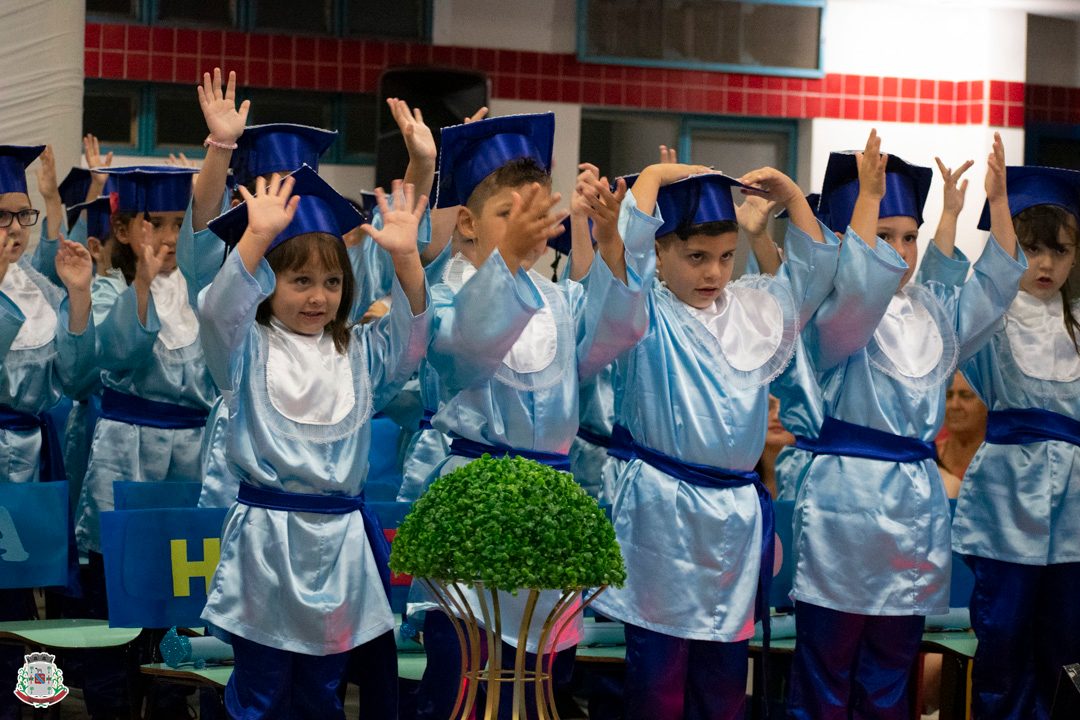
508 523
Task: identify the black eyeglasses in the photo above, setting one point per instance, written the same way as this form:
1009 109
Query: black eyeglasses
27 218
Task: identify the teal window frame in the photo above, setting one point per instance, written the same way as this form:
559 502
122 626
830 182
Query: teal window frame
818 72
146 125
788 128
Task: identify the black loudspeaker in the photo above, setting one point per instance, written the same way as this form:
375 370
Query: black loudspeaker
1067 697
445 97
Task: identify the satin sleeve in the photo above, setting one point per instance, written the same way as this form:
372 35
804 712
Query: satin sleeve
103 295
866 280
11 321
44 258
395 344
227 316
124 342
810 268
476 327
76 354
638 232
612 316
987 294
936 266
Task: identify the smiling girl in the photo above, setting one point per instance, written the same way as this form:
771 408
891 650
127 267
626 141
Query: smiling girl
1018 514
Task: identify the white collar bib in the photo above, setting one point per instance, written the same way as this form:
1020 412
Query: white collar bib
39 327
1039 342
307 379
908 336
179 325
748 323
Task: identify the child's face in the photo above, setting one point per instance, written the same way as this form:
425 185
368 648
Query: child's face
306 299
964 411
777 435
697 269
1049 268
165 231
18 235
487 228
901 232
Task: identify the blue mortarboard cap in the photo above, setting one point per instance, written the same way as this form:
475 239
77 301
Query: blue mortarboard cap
906 188
151 188
813 200
1032 185
278 148
368 202
561 243
98 214
472 151
695 200
321 210
76 185
14 160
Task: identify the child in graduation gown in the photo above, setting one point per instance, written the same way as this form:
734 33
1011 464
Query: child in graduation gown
510 378
1018 515
871 527
693 520
298 585
46 343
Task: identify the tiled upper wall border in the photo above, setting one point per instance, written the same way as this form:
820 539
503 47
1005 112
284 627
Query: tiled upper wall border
180 55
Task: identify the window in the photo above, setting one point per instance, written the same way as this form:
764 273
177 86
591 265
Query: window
405 19
729 35
113 9
312 16
111 111
203 12
154 119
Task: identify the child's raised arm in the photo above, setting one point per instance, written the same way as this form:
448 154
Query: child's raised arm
531 223
581 241
654 177
420 143
602 207
226 124
945 237
95 160
270 210
50 193
398 238
753 216
1001 224
864 218
75 269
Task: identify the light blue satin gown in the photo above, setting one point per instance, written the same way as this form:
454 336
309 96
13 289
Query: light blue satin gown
35 370
693 553
872 536
298 581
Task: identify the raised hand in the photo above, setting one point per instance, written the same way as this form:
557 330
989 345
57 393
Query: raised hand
181 160
530 224
95 160
400 223
270 209
74 266
954 194
754 213
579 205
223 119
47 185
995 171
148 260
478 115
872 167
602 206
771 184
418 138
6 244
668 154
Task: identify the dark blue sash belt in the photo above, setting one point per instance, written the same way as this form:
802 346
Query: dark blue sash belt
273 499
425 420
843 438
472 449
621 444
714 477
1020 427
52 452
134 410
595 438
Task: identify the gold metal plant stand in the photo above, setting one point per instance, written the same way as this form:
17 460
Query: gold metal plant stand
468 627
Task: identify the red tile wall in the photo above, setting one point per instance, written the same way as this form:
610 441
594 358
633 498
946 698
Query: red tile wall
180 55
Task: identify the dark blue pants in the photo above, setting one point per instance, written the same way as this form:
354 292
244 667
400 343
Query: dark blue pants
438 689
271 683
852 666
373 668
668 678
1027 620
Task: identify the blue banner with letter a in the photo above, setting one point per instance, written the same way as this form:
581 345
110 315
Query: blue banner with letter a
33 534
